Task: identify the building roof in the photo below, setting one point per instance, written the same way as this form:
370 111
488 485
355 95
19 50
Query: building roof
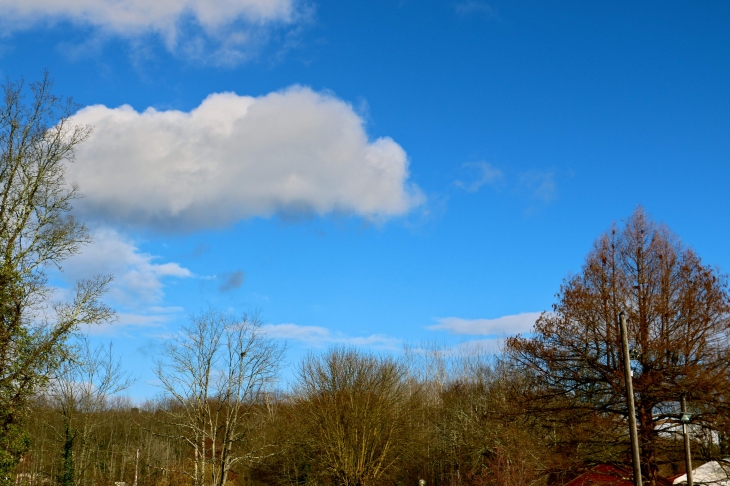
711 473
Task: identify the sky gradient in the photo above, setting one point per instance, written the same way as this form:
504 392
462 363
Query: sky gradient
374 173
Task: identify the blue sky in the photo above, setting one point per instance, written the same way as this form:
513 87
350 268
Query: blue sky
375 173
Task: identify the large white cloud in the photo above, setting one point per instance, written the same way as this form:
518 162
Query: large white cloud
222 31
138 16
295 151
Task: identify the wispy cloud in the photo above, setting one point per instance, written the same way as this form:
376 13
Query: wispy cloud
225 32
469 7
138 278
320 336
130 323
476 175
295 152
501 326
539 185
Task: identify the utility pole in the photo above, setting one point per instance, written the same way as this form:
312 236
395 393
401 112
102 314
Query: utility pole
686 417
136 468
636 459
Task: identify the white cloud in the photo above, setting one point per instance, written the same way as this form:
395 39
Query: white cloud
147 320
234 157
539 185
185 25
138 280
151 318
474 7
320 336
505 325
479 174
125 321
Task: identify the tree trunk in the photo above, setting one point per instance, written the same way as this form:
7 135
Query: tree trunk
649 467
66 478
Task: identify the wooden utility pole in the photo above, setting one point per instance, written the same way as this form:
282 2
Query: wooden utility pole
636 459
687 455
136 468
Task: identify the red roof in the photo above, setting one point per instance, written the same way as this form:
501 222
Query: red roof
608 475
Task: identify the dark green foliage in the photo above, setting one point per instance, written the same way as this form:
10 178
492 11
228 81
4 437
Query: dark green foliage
14 442
66 478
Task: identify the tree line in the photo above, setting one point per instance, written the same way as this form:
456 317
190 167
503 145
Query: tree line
446 416
537 411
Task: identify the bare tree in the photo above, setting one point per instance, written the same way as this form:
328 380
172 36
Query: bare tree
217 371
37 139
678 313
80 391
357 406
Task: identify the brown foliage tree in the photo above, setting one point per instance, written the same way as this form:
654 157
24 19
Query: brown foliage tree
82 391
358 408
678 318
